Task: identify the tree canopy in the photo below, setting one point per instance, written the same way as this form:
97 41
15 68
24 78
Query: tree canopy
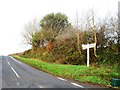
54 22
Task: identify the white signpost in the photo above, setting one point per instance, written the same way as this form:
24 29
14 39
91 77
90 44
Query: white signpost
87 46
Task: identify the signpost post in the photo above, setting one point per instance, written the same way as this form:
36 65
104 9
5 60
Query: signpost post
87 46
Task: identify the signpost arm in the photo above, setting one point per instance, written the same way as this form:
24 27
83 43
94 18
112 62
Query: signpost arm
88 46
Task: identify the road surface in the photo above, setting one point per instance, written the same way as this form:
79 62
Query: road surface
15 74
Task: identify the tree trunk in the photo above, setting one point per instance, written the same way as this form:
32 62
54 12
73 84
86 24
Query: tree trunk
94 31
95 38
42 42
78 43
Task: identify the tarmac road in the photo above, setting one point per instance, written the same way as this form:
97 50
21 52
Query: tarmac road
16 74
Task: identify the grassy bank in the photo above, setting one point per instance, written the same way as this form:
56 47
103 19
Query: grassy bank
101 75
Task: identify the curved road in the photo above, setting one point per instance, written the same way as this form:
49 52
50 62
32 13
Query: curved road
16 74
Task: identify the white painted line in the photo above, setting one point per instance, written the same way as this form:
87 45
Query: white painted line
61 79
41 87
8 63
75 84
6 59
18 83
15 60
15 72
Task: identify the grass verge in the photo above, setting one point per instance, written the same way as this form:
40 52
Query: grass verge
95 75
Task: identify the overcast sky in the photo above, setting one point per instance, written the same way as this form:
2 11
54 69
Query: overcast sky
14 14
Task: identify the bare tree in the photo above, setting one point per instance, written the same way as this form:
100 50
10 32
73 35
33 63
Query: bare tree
112 29
30 29
94 31
91 26
78 34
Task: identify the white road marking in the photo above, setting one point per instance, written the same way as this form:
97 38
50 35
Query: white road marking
6 59
18 83
15 72
8 63
15 60
41 87
61 79
75 84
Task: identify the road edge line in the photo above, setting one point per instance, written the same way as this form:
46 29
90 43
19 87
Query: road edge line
75 84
